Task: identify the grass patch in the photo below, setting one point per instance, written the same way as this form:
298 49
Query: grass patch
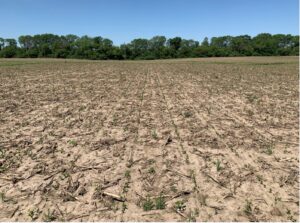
160 203
148 205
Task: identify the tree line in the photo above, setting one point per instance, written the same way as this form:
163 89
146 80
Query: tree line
158 47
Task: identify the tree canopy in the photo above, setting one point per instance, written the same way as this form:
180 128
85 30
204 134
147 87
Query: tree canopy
158 47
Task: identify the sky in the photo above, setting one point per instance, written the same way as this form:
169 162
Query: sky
123 20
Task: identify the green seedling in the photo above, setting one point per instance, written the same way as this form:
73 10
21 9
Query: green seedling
154 134
187 114
269 150
148 205
151 170
218 165
248 208
180 206
33 213
73 143
49 216
127 174
160 203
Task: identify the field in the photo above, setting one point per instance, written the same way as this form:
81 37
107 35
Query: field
173 140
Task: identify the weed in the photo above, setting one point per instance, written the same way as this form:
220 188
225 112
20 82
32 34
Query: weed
151 170
154 134
49 216
187 160
148 205
191 216
218 165
34 213
64 175
174 189
160 203
124 207
269 150
3 169
187 114
73 143
248 208
260 178
127 174
180 206
251 98
277 199
126 187
290 217
81 108
2 196
151 161
193 177
2 152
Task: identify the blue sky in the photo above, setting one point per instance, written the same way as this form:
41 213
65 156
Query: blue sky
124 20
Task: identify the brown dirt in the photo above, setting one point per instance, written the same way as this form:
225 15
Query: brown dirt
194 140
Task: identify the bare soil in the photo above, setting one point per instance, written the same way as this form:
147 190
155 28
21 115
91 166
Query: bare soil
175 140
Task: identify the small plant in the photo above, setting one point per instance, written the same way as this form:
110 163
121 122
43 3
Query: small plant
251 98
174 189
180 206
73 143
151 170
2 196
187 114
187 160
64 175
2 152
277 199
126 187
151 161
49 216
248 208
81 108
160 203
193 175
191 216
127 174
154 134
3 169
33 213
218 165
124 207
148 205
269 150
129 162
290 217
260 178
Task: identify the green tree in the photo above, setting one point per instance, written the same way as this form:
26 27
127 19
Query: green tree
2 43
205 42
241 46
264 44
